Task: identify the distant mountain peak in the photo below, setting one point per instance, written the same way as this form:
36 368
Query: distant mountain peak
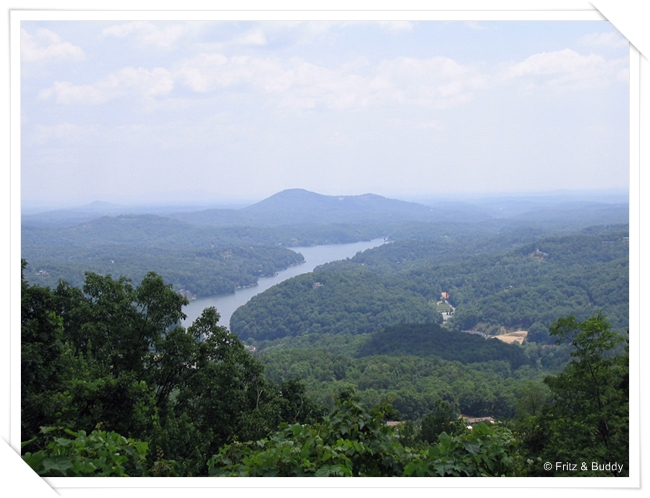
297 206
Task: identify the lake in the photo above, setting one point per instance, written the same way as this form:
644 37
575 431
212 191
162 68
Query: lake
226 304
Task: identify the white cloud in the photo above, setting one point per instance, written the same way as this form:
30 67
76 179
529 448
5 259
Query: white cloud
396 25
306 32
567 68
475 25
612 39
255 37
150 33
437 82
150 84
304 84
316 86
65 93
46 45
156 82
207 72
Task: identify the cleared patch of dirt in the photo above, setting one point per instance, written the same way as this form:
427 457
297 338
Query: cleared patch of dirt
519 337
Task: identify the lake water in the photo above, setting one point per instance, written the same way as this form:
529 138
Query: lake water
226 304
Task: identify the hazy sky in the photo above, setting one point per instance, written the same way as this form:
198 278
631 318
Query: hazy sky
215 111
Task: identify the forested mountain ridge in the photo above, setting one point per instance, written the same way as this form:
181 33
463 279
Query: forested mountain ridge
290 218
527 287
158 231
346 302
200 272
523 287
137 230
202 260
591 212
302 207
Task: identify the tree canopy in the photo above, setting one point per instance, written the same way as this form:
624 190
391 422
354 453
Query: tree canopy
113 356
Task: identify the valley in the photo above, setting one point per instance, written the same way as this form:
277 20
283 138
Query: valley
396 302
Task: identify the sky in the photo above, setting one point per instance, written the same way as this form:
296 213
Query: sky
202 111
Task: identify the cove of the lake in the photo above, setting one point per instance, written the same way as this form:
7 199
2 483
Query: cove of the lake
226 304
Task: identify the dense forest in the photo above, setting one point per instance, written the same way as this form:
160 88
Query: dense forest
391 363
112 386
215 251
346 302
200 272
523 288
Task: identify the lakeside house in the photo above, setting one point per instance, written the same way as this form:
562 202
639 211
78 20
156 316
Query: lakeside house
187 295
470 421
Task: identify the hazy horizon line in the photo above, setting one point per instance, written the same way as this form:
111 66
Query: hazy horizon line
203 200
